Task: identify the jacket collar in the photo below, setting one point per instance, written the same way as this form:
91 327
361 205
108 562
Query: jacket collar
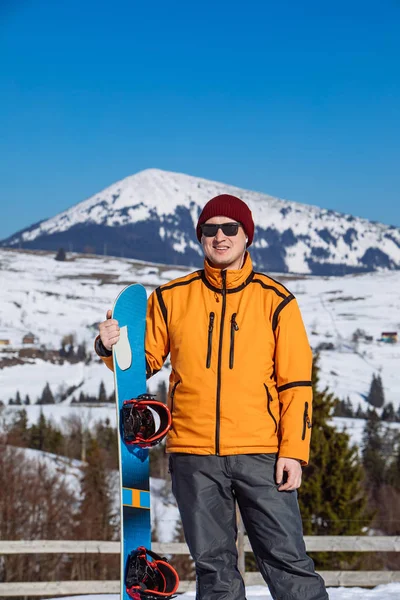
235 279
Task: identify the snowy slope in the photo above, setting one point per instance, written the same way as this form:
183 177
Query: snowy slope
163 207
52 299
164 512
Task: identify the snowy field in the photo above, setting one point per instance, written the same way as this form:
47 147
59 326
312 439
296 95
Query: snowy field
390 591
53 299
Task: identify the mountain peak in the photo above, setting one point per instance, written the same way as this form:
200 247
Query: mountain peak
152 214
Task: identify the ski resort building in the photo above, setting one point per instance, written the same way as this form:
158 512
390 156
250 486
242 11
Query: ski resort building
390 337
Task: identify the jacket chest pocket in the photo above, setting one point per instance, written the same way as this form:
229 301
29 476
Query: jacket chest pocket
234 328
210 339
269 407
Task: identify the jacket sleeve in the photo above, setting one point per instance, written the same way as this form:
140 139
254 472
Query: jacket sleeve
293 365
156 338
103 353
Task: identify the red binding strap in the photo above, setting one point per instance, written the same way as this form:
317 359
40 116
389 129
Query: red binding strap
150 579
146 437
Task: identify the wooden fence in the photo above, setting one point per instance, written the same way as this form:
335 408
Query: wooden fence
313 544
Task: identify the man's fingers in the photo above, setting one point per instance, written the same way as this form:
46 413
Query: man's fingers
108 315
293 470
110 323
293 483
279 473
288 486
288 483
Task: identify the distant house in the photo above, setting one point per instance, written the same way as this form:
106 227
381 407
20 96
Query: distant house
4 342
390 337
28 338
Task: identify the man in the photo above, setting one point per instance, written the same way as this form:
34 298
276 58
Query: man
240 396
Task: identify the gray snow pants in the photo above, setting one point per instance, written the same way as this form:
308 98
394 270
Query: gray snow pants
205 488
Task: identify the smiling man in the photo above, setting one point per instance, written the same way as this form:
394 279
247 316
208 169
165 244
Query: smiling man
240 396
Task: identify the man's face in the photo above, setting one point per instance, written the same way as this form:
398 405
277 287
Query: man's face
224 251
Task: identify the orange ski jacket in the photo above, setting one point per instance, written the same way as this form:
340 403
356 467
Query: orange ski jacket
241 363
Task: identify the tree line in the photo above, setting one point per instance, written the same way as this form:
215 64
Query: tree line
375 399
48 397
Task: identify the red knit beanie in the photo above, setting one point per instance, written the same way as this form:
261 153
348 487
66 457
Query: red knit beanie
226 205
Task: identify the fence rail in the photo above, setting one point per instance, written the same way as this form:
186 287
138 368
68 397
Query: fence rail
313 544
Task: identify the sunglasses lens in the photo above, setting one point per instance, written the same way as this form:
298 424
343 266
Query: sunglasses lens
229 229
209 230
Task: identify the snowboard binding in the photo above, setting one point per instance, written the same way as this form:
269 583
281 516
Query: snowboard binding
150 579
138 423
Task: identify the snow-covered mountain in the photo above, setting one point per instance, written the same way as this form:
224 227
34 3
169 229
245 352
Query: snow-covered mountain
151 216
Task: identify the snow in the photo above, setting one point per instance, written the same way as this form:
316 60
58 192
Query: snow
53 299
66 468
164 512
156 192
390 591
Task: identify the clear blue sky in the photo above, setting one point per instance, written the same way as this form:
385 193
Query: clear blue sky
296 99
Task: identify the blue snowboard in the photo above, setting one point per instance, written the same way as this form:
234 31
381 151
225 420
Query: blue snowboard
130 381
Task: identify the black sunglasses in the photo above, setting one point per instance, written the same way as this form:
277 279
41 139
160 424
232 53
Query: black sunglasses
211 229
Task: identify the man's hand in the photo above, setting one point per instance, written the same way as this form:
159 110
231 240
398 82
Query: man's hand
293 468
109 331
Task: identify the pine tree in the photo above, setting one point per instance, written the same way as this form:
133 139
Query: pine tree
388 413
331 495
47 396
349 408
18 432
44 436
81 353
393 473
373 455
27 400
360 413
18 401
102 393
61 256
38 434
376 396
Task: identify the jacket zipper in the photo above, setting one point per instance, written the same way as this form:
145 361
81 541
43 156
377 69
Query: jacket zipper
269 397
306 421
221 335
210 332
173 394
234 327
